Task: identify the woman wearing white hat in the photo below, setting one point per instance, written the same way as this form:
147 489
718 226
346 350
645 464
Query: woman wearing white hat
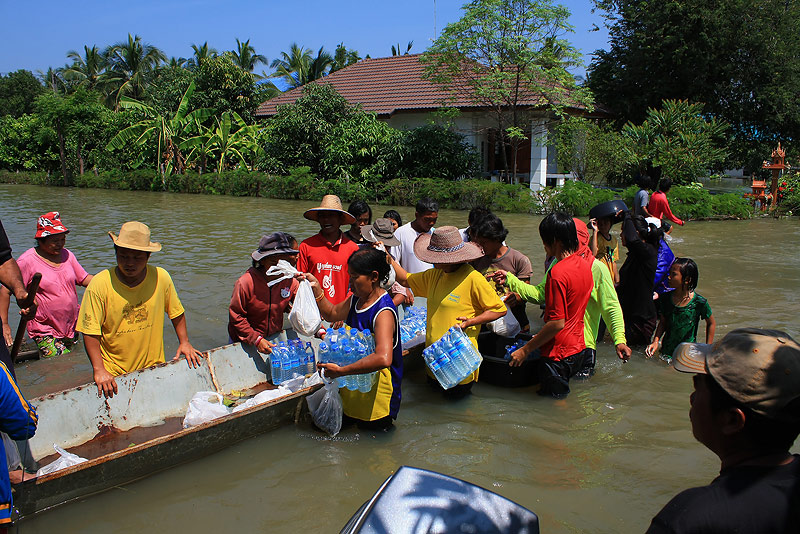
457 294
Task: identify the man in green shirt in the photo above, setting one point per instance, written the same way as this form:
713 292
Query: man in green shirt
603 302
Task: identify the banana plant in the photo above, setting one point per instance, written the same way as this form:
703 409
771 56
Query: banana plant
169 132
231 138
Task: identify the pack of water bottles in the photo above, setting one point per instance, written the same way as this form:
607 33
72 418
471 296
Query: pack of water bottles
453 358
514 346
412 327
345 346
290 359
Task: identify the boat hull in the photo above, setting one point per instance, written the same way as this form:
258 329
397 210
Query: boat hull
146 398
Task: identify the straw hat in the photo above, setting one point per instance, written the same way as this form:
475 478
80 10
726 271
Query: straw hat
446 245
381 230
136 236
329 203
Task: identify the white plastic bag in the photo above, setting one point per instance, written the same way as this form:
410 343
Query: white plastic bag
505 326
283 270
261 398
304 316
67 459
205 406
12 453
325 406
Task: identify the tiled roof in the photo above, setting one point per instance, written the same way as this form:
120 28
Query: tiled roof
382 85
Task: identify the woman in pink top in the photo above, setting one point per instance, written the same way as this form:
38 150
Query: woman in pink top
659 205
53 328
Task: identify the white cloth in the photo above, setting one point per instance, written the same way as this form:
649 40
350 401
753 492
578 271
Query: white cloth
404 252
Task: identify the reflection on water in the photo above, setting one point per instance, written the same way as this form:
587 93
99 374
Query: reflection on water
603 460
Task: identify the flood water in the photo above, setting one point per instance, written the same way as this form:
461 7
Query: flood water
605 459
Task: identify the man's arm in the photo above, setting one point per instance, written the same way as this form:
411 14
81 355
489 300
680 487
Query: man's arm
548 332
104 380
5 301
11 277
185 348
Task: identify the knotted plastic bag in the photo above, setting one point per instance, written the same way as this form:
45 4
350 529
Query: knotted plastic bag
325 406
66 459
305 316
205 406
505 326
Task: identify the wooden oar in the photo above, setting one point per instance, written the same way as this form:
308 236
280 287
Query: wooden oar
32 288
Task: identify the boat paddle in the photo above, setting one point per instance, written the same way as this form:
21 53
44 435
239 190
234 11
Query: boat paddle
32 288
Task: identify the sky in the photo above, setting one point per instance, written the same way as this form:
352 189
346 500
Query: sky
38 34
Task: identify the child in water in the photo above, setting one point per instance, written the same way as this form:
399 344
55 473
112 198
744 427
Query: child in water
680 311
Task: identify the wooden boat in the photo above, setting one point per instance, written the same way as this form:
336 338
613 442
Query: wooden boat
139 431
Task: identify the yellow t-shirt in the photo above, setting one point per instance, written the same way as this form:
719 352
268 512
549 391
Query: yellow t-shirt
463 293
129 320
608 252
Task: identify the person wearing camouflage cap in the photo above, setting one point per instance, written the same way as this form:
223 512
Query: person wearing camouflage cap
745 408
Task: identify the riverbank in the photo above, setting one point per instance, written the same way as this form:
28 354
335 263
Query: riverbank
692 202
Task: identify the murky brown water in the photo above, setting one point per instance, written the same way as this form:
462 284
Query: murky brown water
603 460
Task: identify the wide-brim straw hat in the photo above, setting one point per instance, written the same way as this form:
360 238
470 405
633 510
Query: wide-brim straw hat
136 236
329 203
446 245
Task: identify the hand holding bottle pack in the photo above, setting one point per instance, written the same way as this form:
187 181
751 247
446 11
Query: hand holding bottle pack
453 358
344 347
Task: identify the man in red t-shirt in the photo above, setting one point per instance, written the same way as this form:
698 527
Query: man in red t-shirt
325 254
566 292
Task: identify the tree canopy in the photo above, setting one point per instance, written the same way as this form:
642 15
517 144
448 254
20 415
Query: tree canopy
738 57
503 54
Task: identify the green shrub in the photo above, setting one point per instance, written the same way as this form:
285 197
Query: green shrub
575 198
789 194
33 178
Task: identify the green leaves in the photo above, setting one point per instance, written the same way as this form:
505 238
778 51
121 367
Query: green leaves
679 139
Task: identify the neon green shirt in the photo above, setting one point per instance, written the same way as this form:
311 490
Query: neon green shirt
603 302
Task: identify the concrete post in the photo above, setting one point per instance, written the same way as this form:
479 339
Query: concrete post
538 154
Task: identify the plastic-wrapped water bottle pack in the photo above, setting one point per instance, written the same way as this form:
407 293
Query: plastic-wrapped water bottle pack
453 358
346 346
290 359
413 324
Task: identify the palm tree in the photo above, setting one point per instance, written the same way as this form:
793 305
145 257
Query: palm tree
320 65
87 70
245 56
53 80
343 57
298 67
178 62
293 67
396 51
129 63
201 53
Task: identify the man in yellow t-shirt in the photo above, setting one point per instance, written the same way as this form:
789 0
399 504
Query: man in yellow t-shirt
122 313
457 294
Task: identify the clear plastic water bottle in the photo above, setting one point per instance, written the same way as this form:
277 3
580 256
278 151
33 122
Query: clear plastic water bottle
275 366
363 381
461 366
311 364
369 340
448 372
324 353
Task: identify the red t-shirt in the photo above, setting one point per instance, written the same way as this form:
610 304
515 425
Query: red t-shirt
566 293
328 263
659 208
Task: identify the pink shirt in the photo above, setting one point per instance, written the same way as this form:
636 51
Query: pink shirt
57 297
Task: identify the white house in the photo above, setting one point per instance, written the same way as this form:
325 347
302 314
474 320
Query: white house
394 88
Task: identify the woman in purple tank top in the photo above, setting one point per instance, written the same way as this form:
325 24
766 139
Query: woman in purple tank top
368 308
